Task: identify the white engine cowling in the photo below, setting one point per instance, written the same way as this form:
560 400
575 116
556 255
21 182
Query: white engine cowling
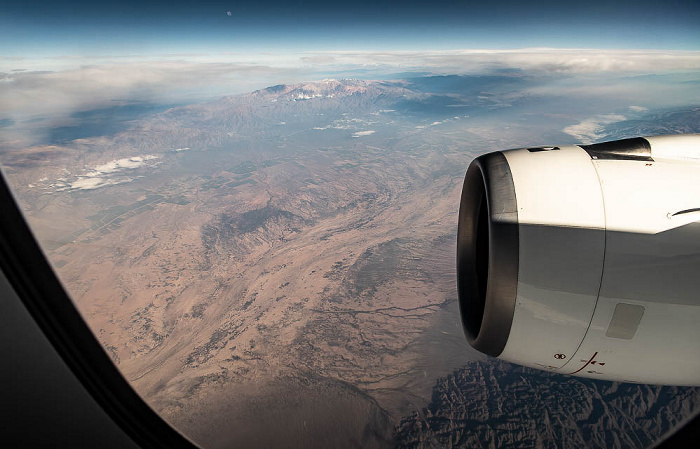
585 259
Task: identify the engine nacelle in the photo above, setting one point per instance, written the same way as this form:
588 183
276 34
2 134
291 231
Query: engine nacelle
585 259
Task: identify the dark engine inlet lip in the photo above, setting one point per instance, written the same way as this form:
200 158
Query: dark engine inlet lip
487 273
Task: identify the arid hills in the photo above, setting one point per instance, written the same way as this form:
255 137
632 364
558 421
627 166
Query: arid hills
276 268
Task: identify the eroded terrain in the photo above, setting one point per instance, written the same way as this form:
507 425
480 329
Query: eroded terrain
278 260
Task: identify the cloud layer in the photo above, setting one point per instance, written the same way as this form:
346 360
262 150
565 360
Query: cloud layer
29 93
537 59
40 94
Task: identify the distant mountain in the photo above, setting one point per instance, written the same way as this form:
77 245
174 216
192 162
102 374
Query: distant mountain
496 404
669 121
247 122
290 104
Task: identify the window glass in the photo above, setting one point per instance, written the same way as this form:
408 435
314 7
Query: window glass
257 217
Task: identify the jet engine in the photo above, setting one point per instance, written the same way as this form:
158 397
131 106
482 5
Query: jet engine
585 259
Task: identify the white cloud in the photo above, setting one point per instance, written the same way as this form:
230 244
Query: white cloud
55 95
318 59
363 133
539 59
53 89
80 83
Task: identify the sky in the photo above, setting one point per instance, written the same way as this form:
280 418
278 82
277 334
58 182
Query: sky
52 28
